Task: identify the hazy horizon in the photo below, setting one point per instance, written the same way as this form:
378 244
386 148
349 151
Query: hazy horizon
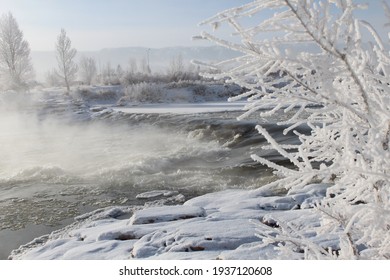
93 25
99 24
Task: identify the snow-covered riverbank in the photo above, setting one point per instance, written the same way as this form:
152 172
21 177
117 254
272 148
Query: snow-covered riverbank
220 225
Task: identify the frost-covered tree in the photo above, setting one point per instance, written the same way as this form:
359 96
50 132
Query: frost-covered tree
88 69
176 68
145 68
308 60
119 73
132 66
52 78
107 75
15 62
67 67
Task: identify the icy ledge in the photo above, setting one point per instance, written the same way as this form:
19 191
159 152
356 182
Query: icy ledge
220 225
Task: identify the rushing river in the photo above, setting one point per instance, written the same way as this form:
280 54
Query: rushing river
59 159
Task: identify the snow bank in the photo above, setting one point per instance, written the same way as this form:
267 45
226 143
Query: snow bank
144 92
180 108
177 92
221 225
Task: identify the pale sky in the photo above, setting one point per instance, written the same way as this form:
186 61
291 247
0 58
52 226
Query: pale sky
96 24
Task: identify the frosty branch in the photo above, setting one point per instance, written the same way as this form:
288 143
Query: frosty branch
310 56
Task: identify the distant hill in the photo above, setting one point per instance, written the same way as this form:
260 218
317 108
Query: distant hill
159 58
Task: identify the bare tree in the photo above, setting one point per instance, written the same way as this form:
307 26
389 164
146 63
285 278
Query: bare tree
67 68
15 61
88 69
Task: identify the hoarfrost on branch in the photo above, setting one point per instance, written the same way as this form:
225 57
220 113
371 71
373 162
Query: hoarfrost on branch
309 57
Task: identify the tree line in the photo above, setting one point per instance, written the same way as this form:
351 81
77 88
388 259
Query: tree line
17 71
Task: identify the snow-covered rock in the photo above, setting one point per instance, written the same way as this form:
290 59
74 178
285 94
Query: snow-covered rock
165 214
220 225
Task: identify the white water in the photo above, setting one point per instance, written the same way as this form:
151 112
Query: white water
52 148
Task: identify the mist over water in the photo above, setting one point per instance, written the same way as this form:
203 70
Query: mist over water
87 149
59 159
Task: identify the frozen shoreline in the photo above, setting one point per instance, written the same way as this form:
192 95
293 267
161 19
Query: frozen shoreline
220 225
182 108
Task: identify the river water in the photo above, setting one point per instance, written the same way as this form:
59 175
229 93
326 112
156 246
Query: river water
61 158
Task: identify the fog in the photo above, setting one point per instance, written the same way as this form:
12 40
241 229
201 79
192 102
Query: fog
29 144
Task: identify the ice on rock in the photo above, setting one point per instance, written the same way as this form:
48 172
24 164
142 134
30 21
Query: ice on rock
165 214
156 194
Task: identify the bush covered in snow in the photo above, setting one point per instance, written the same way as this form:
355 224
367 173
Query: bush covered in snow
304 53
98 94
142 92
